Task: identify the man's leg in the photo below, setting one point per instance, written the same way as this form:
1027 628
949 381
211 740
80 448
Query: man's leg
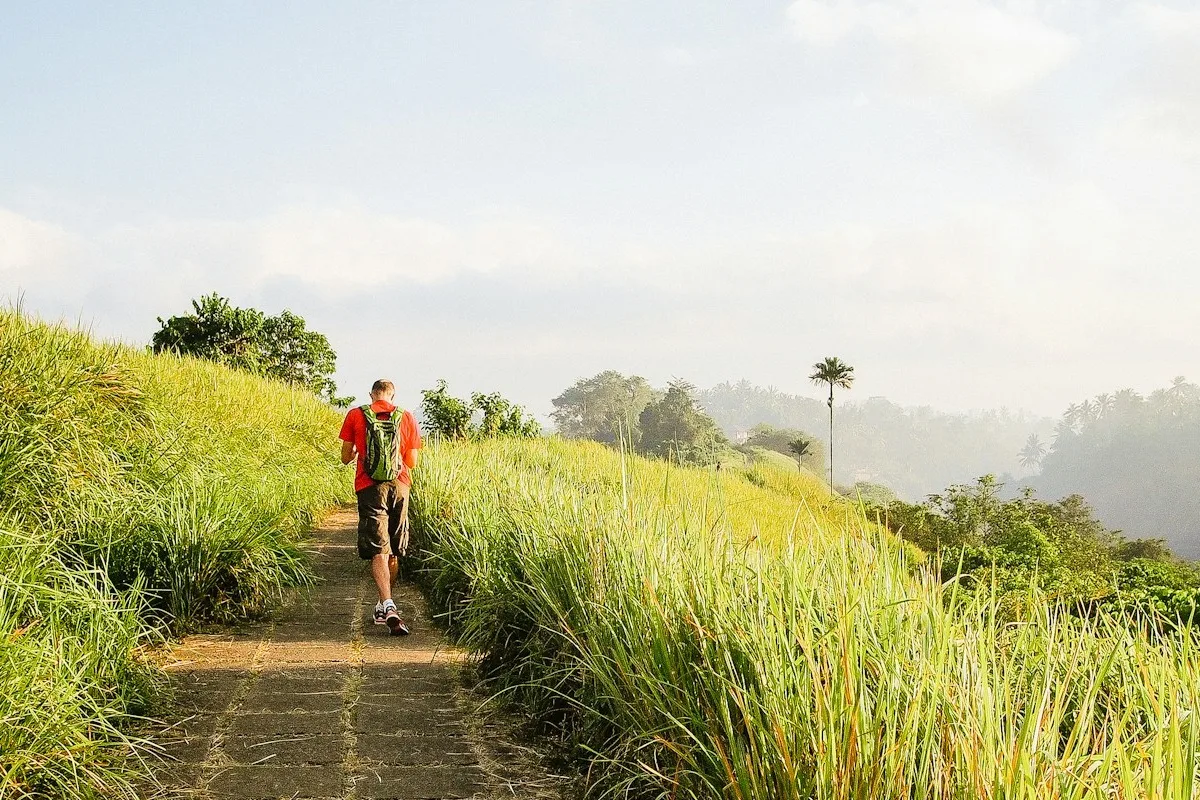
398 528
383 580
373 542
395 508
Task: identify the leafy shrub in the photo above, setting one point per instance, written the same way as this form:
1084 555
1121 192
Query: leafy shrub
1060 547
448 417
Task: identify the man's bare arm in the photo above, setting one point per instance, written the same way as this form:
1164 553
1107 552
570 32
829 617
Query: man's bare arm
347 452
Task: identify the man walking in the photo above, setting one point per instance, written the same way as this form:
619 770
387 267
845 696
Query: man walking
385 441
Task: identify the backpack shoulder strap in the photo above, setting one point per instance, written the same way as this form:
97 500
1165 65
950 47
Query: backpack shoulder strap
368 413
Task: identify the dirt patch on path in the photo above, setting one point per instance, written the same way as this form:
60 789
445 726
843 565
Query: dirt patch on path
322 703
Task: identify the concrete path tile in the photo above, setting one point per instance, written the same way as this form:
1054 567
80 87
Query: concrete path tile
318 749
420 783
321 703
261 782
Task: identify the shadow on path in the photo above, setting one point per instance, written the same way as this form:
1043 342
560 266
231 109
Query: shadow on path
322 703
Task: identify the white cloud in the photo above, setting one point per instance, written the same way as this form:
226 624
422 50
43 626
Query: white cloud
338 250
349 249
1165 128
675 56
1051 275
1167 22
825 23
30 248
974 49
1159 119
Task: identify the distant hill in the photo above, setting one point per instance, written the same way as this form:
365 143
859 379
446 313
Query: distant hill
914 451
1136 460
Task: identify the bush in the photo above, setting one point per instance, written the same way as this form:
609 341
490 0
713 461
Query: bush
1060 547
448 417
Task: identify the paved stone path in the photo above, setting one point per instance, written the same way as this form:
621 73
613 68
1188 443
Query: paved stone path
322 703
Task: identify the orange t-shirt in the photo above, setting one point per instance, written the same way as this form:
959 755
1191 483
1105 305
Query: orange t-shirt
354 430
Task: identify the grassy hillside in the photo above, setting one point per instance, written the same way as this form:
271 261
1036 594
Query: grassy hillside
741 635
134 489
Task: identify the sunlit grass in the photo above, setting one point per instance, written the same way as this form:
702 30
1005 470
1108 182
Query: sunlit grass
742 635
134 490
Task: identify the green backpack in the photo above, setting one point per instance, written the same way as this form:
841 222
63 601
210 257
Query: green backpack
382 459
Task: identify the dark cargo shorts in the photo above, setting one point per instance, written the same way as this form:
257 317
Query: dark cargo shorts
381 508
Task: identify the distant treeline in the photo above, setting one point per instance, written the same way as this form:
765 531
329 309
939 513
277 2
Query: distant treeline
913 451
1137 461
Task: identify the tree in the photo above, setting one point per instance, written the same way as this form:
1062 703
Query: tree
800 448
216 331
605 407
1073 414
1032 453
674 427
445 415
450 418
502 418
1087 412
781 440
279 347
292 354
1138 467
835 372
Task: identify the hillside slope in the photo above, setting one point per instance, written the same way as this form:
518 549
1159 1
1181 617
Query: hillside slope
134 489
695 634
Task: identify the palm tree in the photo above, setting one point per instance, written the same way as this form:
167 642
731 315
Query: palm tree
1126 399
1105 403
1071 415
800 448
1087 412
834 372
1032 453
1181 392
1064 431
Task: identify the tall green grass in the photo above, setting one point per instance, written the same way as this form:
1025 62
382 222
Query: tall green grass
135 491
742 635
70 673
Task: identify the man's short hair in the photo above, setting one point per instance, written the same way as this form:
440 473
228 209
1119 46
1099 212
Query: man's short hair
381 387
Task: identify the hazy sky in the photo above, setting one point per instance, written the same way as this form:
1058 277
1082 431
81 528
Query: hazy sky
975 203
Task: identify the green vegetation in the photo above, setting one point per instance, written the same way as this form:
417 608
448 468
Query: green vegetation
448 417
804 448
279 347
604 408
743 635
1004 546
673 426
627 413
135 489
1134 459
